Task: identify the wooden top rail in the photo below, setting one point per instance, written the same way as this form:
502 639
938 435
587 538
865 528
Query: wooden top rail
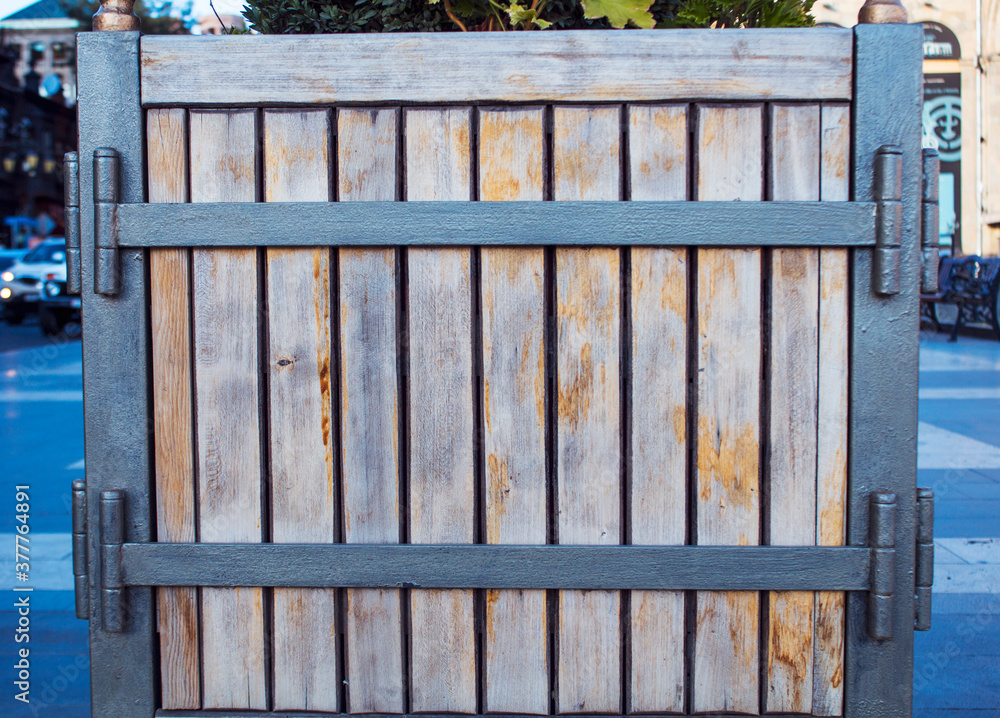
570 66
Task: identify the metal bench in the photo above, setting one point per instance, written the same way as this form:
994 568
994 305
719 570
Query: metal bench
971 284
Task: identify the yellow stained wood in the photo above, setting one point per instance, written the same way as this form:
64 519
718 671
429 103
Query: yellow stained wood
223 169
177 608
658 172
587 167
369 410
832 413
296 162
513 299
438 167
726 663
795 176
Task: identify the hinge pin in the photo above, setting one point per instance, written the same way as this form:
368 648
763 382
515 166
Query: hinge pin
107 274
71 176
882 541
925 559
81 580
930 231
888 219
112 578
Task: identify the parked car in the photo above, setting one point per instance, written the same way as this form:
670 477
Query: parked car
9 256
58 310
21 282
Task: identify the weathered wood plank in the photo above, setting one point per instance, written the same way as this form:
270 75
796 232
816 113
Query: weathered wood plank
513 298
578 66
726 659
588 305
832 415
223 169
170 315
795 167
438 167
296 165
369 411
658 170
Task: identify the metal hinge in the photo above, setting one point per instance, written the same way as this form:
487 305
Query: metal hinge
930 231
71 176
81 581
882 542
112 528
888 219
924 574
107 273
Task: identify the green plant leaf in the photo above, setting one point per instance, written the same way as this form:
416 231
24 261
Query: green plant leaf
526 17
620 12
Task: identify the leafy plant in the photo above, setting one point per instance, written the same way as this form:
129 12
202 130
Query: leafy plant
157 17
338 16
744 13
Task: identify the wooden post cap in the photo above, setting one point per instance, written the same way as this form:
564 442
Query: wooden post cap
116 15
881 11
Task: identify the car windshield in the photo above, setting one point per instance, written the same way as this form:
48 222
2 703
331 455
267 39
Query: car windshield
46 253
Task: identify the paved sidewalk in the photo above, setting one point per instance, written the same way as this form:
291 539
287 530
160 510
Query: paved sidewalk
957 663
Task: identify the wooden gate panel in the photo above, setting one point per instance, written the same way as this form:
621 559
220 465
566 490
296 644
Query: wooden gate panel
369 410
587 166
832 415
792 381
658 171
227 392
621 447
511 167
730 167
438 167
170 320
296 167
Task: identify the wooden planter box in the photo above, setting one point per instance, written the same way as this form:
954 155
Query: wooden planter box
732 375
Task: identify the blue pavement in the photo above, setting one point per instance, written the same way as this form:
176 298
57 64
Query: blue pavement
957 663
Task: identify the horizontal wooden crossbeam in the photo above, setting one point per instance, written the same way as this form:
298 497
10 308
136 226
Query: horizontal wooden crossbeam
722 568
724 224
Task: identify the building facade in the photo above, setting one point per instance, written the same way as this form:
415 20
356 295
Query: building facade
961 110
43 42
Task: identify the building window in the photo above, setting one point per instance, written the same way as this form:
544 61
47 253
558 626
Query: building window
62 53
37 52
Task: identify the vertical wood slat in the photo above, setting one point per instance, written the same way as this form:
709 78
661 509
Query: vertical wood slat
726 675
513 299
177 608
793 372
658 170
369 410
223 169
586 147
438 167
296 160
832 416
